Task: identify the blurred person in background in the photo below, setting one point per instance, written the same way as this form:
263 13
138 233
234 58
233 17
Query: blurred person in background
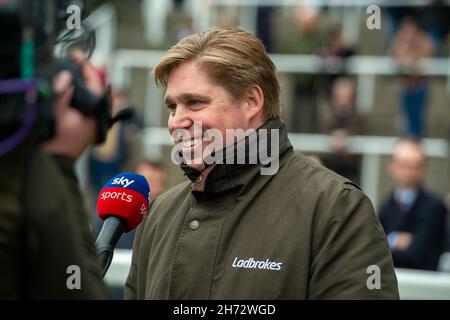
342 113
411 45
334 57
434 20
341 122
413 218
45 227
179 23
394 16
308 37
340 159
156 175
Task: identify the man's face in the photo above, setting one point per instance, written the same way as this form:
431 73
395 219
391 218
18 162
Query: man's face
192 97
407 166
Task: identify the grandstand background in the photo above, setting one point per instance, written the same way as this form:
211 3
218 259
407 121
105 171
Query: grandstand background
132 35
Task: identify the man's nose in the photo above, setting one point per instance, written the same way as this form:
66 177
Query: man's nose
181 119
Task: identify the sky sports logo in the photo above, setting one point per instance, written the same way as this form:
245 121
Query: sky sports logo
122 181
251 263
116 195
125 182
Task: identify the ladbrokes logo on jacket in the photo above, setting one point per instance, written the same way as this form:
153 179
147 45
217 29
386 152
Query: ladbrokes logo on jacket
251 263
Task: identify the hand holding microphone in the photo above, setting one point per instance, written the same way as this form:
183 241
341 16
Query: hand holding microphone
122 204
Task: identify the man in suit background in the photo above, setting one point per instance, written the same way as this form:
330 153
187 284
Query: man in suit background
413 218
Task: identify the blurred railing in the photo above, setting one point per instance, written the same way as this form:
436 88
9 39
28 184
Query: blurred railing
413 284
366 68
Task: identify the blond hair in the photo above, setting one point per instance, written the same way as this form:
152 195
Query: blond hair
233 58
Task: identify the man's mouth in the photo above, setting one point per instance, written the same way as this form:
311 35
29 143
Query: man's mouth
190 143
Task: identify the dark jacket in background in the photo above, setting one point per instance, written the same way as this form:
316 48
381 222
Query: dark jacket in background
44 229
426 220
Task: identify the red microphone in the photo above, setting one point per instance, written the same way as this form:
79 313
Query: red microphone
122 204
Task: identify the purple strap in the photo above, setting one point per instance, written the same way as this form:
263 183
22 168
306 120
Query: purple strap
19 85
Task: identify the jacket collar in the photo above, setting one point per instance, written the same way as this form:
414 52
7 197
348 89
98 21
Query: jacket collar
227 176
421 193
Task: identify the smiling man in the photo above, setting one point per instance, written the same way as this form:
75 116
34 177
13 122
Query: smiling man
191 95
234 231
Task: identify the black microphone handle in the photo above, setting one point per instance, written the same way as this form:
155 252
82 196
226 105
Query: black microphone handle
110 233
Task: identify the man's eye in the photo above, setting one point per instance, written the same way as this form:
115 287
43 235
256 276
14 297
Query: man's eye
193 103
172 108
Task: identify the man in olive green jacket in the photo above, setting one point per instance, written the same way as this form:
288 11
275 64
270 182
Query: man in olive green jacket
236 231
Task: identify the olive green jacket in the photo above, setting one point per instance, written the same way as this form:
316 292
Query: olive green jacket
303 233
44 230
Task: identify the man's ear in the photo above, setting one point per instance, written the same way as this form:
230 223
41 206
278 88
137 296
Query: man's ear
254 99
